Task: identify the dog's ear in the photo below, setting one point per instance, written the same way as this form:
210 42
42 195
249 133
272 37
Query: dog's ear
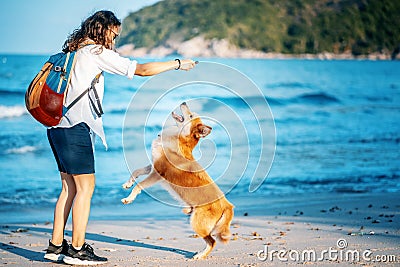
203 130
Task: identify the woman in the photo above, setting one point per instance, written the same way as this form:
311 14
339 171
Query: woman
71 140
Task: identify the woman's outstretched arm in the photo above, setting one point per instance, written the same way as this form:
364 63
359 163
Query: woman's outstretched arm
153 68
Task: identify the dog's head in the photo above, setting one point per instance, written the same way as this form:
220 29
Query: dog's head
190 124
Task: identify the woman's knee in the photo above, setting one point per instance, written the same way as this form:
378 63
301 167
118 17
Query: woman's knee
85 183
68 184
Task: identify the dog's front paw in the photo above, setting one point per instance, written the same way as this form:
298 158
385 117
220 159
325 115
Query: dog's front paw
126 200
127 184
187 210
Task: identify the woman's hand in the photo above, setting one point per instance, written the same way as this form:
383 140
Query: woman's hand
187 64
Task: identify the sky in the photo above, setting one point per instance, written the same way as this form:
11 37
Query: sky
42 26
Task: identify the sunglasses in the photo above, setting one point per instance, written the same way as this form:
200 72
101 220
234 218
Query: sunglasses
115 34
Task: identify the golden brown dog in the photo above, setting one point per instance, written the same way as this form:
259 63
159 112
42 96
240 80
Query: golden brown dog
175 166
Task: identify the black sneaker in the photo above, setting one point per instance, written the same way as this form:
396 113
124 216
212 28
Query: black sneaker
56 253
85 256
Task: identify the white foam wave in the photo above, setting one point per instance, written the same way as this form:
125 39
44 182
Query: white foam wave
21 150
12 111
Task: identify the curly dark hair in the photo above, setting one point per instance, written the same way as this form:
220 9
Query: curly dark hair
95 28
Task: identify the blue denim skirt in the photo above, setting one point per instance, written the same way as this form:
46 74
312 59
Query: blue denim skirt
72 149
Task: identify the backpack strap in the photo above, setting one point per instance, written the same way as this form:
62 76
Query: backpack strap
99 111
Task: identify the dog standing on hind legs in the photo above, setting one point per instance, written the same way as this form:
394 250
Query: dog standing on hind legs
176 168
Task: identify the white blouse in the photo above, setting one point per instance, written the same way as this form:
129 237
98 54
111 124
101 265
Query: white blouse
90 61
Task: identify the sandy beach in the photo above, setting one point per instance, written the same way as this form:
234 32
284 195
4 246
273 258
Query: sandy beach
320 229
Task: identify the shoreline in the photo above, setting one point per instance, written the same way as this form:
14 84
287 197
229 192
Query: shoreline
366 222
144 53
201 47
326 56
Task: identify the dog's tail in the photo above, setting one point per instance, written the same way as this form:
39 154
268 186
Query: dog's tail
222 228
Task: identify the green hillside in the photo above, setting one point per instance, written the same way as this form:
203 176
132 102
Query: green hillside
282 26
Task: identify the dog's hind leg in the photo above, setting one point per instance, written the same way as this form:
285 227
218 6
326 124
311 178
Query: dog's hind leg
210 244
150 180
135 174
203 226
222 228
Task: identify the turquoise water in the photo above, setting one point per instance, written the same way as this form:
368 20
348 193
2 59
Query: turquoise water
337 130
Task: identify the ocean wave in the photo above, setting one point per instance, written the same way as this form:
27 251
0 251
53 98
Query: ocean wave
371 140
6 92
248 101
306 99
317 98
12 111
21 150
119 111
287 85
31 197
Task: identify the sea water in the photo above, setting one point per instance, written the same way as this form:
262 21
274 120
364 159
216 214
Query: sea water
336 129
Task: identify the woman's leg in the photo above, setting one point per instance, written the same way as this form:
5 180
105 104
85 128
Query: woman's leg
80 212
63 207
